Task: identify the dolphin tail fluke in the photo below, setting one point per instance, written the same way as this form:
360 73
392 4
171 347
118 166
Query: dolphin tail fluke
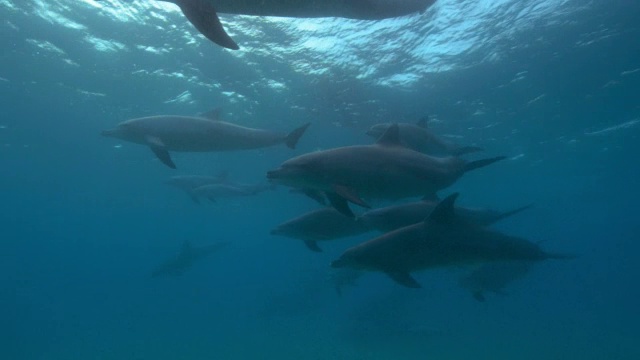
339 203
293 137
482 163
462 150
510 213
203 16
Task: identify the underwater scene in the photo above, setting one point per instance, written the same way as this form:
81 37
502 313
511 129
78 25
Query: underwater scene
319 179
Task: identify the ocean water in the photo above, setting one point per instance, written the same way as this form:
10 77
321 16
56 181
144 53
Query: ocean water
552 84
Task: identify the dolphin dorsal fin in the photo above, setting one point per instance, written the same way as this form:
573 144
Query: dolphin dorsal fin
214 114
444 211
391 136
423 122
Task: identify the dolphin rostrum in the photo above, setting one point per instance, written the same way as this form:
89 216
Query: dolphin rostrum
443 239
186 258
384 170
203 14
166 133
419 138
320 225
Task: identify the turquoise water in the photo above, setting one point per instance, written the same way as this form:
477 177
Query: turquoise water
554 85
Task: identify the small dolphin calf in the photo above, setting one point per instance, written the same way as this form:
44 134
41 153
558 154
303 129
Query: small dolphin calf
203 13
443 239
216 191
397 216
188 183
186 258
494 277
385 170
320 225
419 138
166 133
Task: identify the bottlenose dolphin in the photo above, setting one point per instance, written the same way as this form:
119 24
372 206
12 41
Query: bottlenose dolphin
397 216
418 137
320 225
494 277
166 133
185 259
216 191
385 170
203 14
188 183
443 239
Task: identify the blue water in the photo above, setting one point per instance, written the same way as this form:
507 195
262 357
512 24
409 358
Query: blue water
552 84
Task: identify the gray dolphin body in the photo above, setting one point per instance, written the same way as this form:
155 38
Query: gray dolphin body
494 277
441 240
203 13
188 183
397 216
320 225
166 133
419 138
186 258
385 170
216 191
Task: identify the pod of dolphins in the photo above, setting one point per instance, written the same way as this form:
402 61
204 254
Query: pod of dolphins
406 161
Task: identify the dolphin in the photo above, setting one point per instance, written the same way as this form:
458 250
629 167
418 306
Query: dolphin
384 170
419 138
188 183
185 259
216 191
166 133
443 239
494 277
397 216
320 225
203 14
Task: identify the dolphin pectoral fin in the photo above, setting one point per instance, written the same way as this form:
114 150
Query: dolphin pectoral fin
161 152
403 278
212 199
478 295
351 195
340 204
292 138
203 16
316 195
312 245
